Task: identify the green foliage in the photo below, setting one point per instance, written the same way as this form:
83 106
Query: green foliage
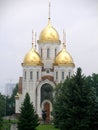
14 91
28 119
46 127
1 120
94 117
7 123
10 102
74 104
93 81
57 113
2 105
2 109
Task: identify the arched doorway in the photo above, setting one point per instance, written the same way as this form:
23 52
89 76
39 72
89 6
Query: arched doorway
47 108
46 99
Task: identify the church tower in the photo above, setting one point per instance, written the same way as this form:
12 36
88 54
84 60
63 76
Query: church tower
43 68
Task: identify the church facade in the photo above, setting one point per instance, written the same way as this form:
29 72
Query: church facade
44 66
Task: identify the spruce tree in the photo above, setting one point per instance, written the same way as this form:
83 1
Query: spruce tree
74 103
28 119
1 121
94 117
57 103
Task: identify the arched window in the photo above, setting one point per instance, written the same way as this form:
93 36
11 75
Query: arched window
46 92
48 53
31 75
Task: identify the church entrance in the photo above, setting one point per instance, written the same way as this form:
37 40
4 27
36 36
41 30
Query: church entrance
47 108
47 98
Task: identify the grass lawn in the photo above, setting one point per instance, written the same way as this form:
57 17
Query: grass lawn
46 127
6 126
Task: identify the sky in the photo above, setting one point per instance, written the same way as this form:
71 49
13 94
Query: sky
79 19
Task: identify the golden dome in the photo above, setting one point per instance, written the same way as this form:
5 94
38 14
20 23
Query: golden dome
49 34
63 58
32 58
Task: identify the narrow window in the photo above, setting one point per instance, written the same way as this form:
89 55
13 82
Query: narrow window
56 75
31 75
41 52
25 75
62 75
69 74
55 51
48 53
37 75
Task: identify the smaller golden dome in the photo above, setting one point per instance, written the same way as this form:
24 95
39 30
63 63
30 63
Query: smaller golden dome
63 58
32 58
49 34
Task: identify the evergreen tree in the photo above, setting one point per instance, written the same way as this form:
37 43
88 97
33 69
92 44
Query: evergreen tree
10 102
1 121
94 117
28 119
2 109
2 105
93 81
57 103
74 104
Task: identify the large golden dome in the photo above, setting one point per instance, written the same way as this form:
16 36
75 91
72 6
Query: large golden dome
49 34
32 58
63 58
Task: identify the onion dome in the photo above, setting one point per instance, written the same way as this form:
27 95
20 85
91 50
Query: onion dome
32 58
63 58
49 34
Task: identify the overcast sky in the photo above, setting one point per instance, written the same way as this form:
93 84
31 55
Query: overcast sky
79 19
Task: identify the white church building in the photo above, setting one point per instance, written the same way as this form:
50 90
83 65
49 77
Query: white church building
44 66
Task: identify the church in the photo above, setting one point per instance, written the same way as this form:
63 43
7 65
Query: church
45 65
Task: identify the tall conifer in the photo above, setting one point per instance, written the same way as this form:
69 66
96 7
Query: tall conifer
1 121
74 103
28 119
